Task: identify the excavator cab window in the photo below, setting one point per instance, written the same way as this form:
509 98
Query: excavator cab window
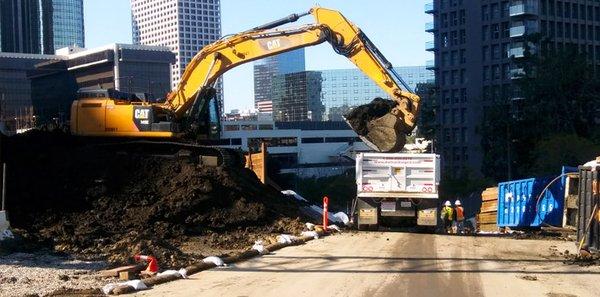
214 119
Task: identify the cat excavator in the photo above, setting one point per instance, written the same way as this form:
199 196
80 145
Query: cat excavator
191 108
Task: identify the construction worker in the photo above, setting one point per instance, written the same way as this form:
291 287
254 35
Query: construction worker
459 217
446 216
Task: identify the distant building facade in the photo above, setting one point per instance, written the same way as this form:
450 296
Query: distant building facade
344 89
36 27
184 26
67 23
20 26
267 68
478 47
42 87
297 96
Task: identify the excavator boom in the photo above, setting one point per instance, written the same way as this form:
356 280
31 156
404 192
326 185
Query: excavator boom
386 133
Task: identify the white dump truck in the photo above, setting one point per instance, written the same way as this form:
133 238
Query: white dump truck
397 188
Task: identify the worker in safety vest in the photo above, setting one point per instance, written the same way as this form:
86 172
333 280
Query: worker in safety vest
446 216
459 217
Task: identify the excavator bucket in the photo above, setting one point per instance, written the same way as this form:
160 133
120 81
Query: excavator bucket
377 126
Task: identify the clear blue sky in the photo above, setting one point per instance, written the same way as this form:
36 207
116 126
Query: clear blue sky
395 26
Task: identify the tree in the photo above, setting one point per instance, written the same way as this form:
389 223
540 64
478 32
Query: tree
563 149
560 96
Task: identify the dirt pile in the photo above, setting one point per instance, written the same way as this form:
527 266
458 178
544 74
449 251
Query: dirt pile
361 115
101 203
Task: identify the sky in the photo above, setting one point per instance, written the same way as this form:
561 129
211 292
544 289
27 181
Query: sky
396 27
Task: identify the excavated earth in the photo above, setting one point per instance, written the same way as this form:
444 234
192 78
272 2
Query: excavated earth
360 116
104 204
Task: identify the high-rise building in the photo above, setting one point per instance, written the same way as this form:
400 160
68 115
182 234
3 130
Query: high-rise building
185 26
20 26
344 89
478 46
297 96
67 23
34 26
267 68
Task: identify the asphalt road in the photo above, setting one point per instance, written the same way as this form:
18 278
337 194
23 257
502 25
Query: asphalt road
399 264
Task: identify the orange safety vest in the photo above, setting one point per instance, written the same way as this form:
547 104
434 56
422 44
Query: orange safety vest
460 213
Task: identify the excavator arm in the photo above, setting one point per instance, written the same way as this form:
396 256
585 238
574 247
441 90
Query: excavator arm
104 115
386 133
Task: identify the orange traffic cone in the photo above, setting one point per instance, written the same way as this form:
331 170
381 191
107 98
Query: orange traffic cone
152 263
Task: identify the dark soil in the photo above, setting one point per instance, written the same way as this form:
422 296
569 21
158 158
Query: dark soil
361 115
99 203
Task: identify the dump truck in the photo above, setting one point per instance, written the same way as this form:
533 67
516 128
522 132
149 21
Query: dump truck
397 188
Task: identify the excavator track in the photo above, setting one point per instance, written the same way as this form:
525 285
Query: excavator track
232 158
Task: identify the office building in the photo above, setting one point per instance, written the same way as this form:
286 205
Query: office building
67 24
34 26
478 46
184 26
42 87
20 26
267 68
297 96
344 89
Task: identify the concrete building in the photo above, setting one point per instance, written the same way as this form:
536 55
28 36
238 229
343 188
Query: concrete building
184 26
297 96
477 47
42 87
33 26
303 148
343 89
267 68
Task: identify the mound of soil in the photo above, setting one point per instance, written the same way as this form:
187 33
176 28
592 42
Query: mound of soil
361 115
99 203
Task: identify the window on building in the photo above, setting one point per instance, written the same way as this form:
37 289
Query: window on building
454 18
485 53
485 31
463 56
463 112
463 95
495 31
485 13
559 9
231 127
313 140
559 29
567 10
462 17
454 58
495 11
495 52
444 20
463 37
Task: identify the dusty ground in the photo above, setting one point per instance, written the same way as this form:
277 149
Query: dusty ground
23 273
400 264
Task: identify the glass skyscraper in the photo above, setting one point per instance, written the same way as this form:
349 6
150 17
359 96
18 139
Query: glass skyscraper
67 23
343 89
266 69
40 27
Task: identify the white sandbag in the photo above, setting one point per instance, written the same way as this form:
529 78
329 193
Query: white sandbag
334 227
136 284
310 226
342 217
286 238
259 247
313 234
215 260
181 272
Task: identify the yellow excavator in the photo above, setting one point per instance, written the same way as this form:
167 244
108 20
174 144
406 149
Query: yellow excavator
191 106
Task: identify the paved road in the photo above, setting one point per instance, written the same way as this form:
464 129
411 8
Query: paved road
399 264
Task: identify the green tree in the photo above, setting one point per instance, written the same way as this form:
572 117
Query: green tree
563 149
559 96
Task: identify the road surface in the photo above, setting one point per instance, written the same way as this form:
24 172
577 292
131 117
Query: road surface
399 264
